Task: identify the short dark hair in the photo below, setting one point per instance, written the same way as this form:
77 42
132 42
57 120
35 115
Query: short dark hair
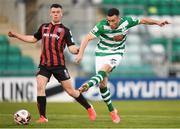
113 11
56 6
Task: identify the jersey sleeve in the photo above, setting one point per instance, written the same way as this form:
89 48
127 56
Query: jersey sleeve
132 21
68 38
38 34
96 30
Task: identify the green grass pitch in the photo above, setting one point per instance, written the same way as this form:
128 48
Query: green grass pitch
134 114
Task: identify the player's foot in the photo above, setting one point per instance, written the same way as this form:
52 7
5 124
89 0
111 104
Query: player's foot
42 119
84 88
91 113
114 116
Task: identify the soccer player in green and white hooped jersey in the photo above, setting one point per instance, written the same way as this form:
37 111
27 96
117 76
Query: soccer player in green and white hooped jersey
112 33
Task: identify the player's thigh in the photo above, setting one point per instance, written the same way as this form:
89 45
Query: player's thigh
67 85
43 76
61 74
111 60
41 80
44 71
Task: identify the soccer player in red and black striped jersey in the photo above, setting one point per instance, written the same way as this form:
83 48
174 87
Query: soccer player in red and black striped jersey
55 37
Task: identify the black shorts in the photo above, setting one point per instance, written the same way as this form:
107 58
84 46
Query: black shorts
59 72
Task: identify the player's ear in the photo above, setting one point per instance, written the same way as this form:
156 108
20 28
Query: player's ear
50 14
61 12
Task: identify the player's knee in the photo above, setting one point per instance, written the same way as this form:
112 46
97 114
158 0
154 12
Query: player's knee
40 89
71 92
106 68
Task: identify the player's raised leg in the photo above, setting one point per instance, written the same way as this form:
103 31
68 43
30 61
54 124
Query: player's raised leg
93 81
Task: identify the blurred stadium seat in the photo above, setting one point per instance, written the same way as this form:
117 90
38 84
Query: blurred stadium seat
14 50
12 62
133 11
27 66
146 48
176 50
160 40
3 40
134 71
3 50
88 62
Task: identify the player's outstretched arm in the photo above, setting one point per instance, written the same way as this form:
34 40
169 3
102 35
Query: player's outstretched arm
25 38
83 46
150 21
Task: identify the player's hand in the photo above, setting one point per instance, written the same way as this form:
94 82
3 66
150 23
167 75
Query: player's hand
162 23
118 38
11 34
78 58
73 49
76 51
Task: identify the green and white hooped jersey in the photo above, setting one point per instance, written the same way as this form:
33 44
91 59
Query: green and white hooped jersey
106 45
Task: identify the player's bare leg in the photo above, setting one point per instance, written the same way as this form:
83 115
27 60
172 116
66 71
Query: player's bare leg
41 98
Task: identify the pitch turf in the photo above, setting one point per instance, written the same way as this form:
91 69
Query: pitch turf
134 114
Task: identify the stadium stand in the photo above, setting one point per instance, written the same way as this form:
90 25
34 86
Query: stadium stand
12 62
147 48
176 50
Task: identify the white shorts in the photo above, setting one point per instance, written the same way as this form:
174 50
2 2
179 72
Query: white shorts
112 60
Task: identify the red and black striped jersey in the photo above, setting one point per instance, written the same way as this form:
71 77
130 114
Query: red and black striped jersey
54 39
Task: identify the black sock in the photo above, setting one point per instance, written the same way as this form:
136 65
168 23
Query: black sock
83 101
41 103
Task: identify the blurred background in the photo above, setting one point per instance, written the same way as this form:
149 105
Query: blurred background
151 51
148 49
